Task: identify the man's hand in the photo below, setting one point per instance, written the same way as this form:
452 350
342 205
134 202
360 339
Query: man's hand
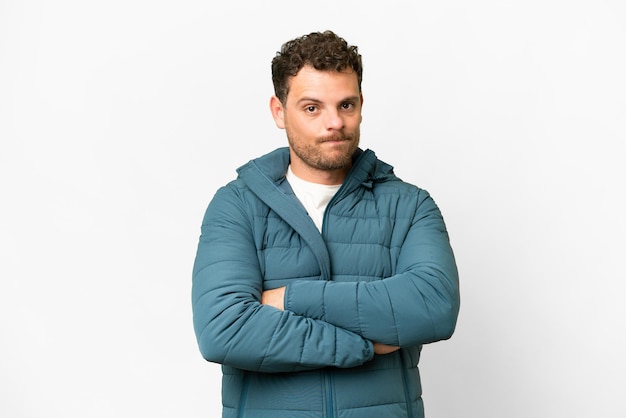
274 297
384 348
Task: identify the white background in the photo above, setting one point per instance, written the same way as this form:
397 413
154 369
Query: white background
119 120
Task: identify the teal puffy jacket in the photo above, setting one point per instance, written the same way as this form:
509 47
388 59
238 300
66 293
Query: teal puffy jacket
382 270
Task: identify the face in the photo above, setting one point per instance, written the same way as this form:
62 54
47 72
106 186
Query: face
321 117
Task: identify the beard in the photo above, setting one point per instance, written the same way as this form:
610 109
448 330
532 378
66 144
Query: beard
321 156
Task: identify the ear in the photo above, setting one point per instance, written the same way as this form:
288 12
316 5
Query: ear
361 96
278 112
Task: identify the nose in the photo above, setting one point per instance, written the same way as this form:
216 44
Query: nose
333 120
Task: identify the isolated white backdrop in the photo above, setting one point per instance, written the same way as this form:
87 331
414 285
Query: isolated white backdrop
120 119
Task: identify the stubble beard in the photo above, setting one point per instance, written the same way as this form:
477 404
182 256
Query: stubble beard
315 157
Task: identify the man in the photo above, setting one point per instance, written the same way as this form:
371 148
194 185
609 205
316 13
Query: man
320 274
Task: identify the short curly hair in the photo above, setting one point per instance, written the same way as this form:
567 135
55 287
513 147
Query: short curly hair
323 51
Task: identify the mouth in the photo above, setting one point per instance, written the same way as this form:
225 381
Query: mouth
334 139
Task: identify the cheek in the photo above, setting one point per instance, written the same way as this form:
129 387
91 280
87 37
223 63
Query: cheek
355 122
303 127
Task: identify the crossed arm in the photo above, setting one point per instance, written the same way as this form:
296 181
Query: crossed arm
236 323
276 298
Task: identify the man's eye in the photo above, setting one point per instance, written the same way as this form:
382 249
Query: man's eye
347 106
310 109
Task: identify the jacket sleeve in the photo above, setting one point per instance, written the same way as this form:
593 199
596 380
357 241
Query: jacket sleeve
232 326
419 304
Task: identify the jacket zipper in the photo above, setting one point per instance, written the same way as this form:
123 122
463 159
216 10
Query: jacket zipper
328 380
329 394
407 394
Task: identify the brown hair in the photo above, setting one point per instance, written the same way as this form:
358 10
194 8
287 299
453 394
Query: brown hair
323 51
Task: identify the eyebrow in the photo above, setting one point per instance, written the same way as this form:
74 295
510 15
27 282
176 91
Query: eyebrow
308 99
314 100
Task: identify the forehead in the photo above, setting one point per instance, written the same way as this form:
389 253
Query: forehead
323 85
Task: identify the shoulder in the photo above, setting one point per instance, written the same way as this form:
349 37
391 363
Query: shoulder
400 188
233 201
406 199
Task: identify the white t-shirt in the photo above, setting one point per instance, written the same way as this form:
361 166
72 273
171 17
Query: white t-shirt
313 196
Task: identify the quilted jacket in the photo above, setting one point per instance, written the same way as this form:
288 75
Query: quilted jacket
381 270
